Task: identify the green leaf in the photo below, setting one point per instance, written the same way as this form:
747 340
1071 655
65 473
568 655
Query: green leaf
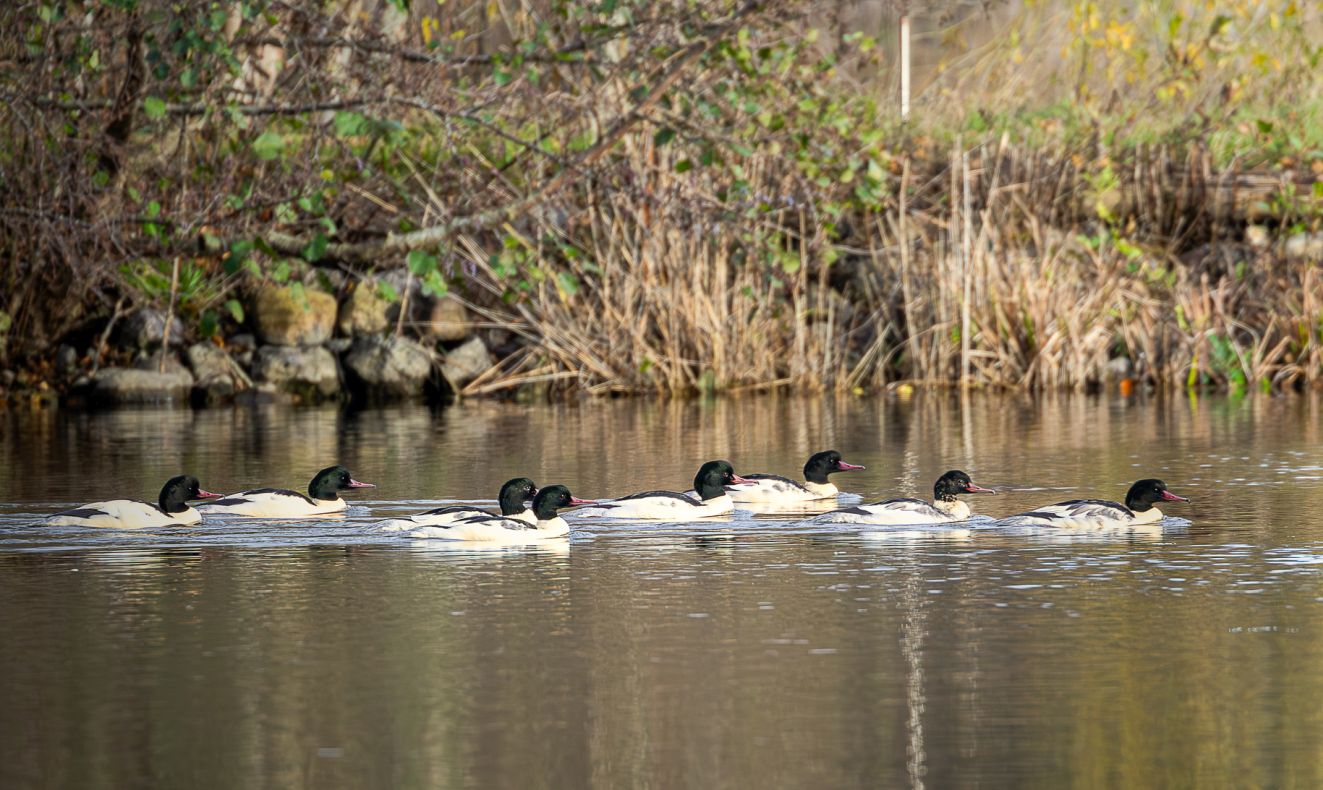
568 283
281 273
269 145
208 324
154 107
434 284
662 137
1265 127
387 291
684 166
235 309
316 248
350 124
421 263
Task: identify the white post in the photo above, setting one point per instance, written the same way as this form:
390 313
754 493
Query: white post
905 65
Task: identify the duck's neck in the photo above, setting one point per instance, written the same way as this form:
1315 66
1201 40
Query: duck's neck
709 491
823 489
953 508
545 511
553 524
512 503
172 501
322 494
1148 515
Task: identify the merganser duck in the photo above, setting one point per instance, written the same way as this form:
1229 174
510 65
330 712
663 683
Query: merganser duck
322 498
499 529
710 484
512 497
171 510
1101 513
944 508
774 488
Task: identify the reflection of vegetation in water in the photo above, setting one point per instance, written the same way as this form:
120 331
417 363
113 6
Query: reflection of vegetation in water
714 199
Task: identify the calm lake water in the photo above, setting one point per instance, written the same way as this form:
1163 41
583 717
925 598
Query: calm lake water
753 652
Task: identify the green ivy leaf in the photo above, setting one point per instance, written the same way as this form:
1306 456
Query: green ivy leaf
316 248
568 283
350 124
154 107
269 145
434 284
421 263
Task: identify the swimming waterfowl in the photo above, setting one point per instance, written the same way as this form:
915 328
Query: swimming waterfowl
712 500
323 498
944 508
777 489
498 529
172 509
511 498
1139 508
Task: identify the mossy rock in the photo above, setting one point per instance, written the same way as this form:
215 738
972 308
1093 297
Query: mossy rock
294 317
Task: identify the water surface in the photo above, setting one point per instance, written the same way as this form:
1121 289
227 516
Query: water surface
755 651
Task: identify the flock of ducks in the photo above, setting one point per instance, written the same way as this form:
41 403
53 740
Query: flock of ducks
717 491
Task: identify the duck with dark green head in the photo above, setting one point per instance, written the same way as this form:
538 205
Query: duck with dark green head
1140 508
323 498
171 509
712 500
777 490
512 497
501 529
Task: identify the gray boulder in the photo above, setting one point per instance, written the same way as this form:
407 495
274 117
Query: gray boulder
133 385
309 373
214 375
391 367
465 363
145 329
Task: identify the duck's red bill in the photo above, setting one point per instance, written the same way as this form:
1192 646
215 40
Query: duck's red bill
576 501
206 494
973 489
355 484
1170 497
737 479
844 467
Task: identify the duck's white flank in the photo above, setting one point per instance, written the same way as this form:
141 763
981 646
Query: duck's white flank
274 503
661 506
124 514
495 529
901 511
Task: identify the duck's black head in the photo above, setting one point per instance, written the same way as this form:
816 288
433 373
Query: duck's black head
514 494
713 477
552 498
178 490
822 464
1146 493
956 482
331 480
